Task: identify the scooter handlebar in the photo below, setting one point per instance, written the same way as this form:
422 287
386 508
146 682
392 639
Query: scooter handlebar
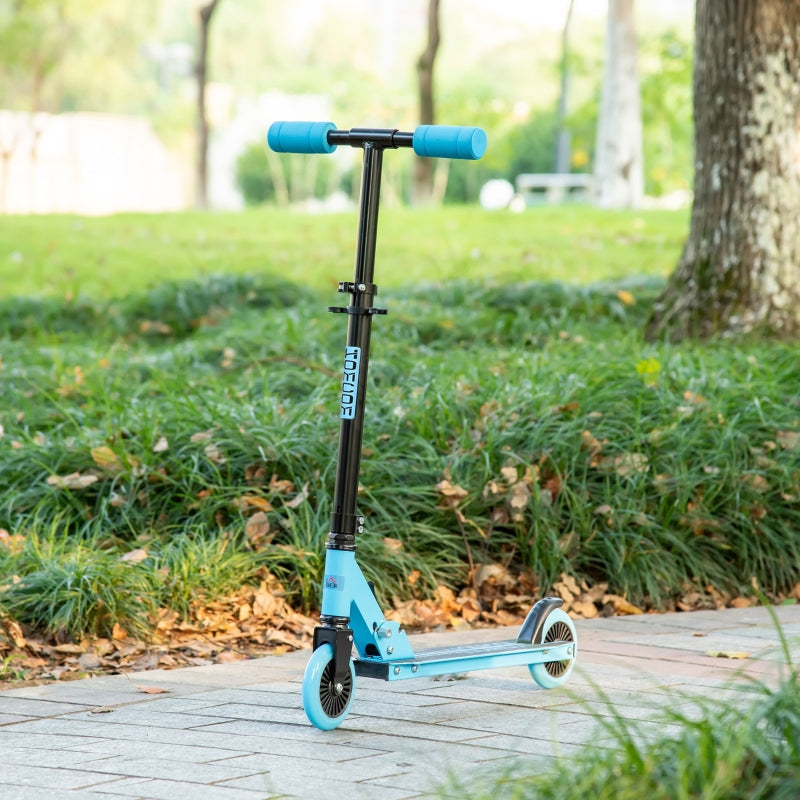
300 137
434 141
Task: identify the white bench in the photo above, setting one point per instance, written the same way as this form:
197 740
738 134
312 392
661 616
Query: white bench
554 185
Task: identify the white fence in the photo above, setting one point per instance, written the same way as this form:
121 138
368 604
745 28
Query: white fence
85 163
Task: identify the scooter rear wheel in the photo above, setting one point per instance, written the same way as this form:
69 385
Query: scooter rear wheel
325 704
557 627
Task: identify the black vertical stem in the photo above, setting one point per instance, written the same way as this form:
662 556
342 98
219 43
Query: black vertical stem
344 521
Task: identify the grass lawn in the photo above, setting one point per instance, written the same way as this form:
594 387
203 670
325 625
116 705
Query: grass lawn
113 256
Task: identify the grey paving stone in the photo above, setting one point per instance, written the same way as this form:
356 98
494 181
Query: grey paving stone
548 725
527 746
413 752
41 757
75 693
460 781
178 790
154 717
290 715
439 713
17 736
305 786
266 729
318 748
351 770
188 772
413 730
174 752
499 692
31 707
11 719
291 710
236 697
36 793
48 777
410 697
185 705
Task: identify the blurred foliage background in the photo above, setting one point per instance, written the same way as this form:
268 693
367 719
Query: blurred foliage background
498 67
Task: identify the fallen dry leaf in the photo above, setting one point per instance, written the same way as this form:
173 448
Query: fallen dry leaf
161 446
627 464
72 481
154 326
299 498
106 458
395 545
590 443
726 654
135 556
261 503
118 632
585 608
694 397
257 527
621 605
69 647
789 440
448 490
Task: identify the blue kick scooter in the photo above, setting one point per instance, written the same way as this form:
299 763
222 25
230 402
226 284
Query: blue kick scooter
350 614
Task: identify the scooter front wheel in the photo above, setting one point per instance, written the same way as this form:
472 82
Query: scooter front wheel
557 627
326 704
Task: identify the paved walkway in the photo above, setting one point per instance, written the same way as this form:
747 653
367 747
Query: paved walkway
238 731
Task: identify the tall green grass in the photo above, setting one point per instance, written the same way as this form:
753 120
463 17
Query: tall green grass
578 447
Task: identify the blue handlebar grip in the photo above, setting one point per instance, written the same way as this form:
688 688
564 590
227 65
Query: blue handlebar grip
449 141
300 137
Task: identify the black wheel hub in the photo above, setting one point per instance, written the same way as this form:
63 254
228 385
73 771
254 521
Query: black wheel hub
334 699
558 632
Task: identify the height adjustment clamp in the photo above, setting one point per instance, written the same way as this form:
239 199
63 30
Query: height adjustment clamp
359 312
357 288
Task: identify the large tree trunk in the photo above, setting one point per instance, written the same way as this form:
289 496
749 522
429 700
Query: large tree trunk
201 71
740 268
422 180
618 172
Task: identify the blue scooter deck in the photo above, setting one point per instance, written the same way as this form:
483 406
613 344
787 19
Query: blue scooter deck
464 658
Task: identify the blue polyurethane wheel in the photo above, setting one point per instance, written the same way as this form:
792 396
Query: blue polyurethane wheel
326 706
557 627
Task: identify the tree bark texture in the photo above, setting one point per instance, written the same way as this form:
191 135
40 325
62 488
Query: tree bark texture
422 189
740 268
618 172
205 13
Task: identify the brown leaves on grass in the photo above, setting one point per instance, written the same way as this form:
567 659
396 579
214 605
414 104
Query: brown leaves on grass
254 622
625 464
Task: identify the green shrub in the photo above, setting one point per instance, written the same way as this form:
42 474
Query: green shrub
76 588
299 178
201 567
